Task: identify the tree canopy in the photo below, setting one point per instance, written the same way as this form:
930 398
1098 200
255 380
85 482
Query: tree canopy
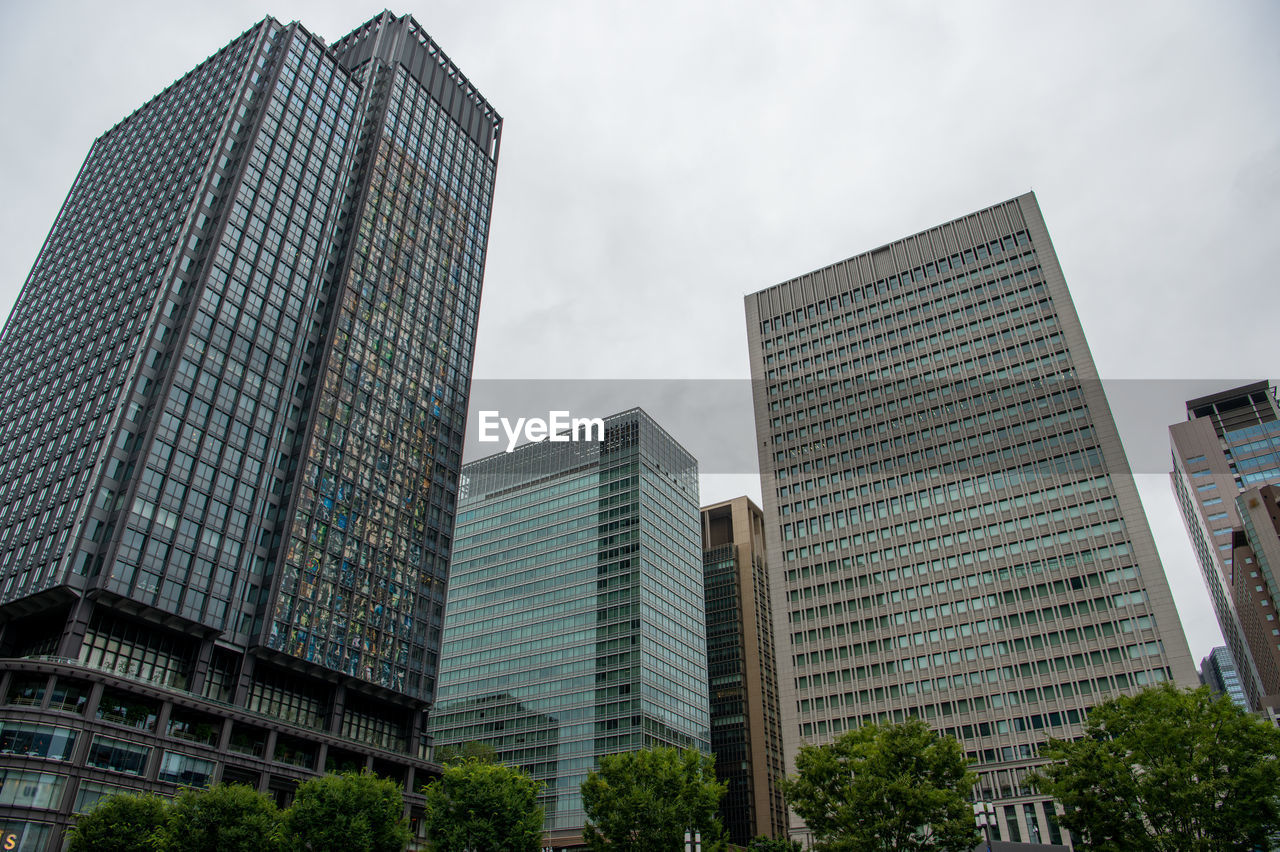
773 844
644 801
351 812
1167 769
347 812
885 787
476 804
226 818
121 823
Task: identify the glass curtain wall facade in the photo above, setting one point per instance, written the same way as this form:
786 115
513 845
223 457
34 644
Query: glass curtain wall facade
1230 443
953 529
1218 672
746 724
575 622
235 385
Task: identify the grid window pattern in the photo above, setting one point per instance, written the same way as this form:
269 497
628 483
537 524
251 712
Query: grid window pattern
132 213
232 407
746 735
134 650
287 699
362 585
208 472
259 428
559 646
956 531
374 729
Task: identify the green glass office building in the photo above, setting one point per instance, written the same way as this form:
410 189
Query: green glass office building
575 623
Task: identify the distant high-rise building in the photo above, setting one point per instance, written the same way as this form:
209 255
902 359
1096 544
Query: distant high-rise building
1218 672
1230 444
953 529
1255 558
234 388
575 624
746 732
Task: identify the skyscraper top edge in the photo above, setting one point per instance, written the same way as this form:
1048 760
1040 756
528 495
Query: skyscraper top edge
536 461
194 71
483 123
635 413
1226 395
729 502
873 254
352 40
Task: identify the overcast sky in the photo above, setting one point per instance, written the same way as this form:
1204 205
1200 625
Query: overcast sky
661 160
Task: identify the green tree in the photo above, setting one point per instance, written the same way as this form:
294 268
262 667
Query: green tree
644 801
476 804
466 751
889 787
347 813
121 823
225 818
773 844
1167 769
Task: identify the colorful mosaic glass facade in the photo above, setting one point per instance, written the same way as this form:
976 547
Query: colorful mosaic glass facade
234 390
362 586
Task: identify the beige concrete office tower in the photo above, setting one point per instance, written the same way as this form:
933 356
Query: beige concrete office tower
953 529
746 732
1230 443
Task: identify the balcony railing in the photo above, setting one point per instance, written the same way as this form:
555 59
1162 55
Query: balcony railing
126 672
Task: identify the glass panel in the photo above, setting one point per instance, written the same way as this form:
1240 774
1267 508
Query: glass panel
37 740
92 792
295 752
27 690
123 709
186 770
117 755
24 835
69 696
31 789
194 728
249 741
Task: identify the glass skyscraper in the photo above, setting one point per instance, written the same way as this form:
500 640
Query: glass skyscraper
953 529
575 623
1218 672
234 391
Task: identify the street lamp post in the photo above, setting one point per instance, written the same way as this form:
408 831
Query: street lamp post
984 814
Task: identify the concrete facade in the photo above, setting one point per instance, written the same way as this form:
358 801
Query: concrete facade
954 532
1229 445
746 732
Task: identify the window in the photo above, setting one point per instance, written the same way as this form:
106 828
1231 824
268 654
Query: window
27 690
123 709
118 756
37 740
91 792
186 770
31 789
